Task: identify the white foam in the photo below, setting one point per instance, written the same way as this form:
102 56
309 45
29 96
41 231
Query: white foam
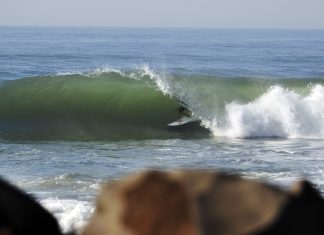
278 113
71 214
100 71
160 81
138 74
93 72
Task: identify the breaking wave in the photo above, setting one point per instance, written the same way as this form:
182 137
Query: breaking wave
138 104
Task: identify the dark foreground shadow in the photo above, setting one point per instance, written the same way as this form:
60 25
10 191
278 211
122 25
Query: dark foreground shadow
20 214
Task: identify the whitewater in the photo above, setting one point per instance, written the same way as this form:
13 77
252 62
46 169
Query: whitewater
83 106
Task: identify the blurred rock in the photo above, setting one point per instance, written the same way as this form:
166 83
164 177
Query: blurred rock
22 215
302 213
204 203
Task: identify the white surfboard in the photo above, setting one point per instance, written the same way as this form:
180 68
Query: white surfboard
182 121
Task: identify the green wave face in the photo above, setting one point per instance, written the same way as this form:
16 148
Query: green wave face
115 105
84 107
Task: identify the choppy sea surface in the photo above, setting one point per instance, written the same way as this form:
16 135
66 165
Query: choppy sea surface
82 106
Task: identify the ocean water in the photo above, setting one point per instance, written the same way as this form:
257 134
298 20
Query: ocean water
82 106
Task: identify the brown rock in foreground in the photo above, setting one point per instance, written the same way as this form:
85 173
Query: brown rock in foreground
204 203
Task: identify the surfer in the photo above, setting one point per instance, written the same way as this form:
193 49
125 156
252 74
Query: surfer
186 120
184 112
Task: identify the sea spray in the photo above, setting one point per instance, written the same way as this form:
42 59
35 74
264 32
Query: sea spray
279 112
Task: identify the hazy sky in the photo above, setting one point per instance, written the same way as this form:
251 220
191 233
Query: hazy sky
165 13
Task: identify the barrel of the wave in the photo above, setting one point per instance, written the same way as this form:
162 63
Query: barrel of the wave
78 106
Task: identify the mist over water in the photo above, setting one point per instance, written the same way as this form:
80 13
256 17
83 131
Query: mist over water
82 106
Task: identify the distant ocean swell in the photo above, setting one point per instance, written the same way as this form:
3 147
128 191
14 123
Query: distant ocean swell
115 104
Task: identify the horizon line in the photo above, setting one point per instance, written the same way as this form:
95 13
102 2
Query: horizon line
160 27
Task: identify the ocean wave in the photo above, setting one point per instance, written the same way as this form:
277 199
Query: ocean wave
102 104
108 103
